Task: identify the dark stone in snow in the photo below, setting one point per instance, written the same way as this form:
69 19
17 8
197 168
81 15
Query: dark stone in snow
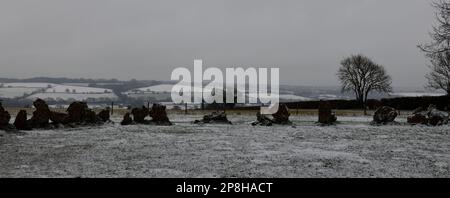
139 114
77 112
127 119
262 120
4 116
90 117
430 116
384 115
436 117
104 115
59 118
417 118
41 116
21 122
159 115
326 116
218 117
282 115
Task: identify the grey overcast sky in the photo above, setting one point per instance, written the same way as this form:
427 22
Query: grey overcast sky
147 39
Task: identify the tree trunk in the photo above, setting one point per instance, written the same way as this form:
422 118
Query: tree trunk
365 107
361 102
365 102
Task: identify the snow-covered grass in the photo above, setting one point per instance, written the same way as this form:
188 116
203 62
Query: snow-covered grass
352 148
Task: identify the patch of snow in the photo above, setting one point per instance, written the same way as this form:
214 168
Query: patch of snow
73 96
416 94
76 89
16 92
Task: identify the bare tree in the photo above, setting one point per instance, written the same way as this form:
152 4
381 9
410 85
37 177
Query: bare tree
438 51
360 75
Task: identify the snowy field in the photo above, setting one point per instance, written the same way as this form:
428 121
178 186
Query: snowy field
352 148
50 91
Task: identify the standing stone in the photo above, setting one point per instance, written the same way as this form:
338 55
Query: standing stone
41 115
384 115
159 115
139 114
282 115
436 117
127 119
21 122
326 116
104 115
90 117
4 116
77 112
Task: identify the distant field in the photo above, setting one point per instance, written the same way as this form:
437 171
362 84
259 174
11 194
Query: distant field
54 91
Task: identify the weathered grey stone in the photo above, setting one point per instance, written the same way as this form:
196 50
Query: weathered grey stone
262 120
430 116
385 115
436 117
218 117
282 115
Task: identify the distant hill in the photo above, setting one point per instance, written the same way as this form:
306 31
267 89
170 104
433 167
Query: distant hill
55 92
135 92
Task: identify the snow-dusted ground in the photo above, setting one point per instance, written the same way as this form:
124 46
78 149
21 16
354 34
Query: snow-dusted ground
352 148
